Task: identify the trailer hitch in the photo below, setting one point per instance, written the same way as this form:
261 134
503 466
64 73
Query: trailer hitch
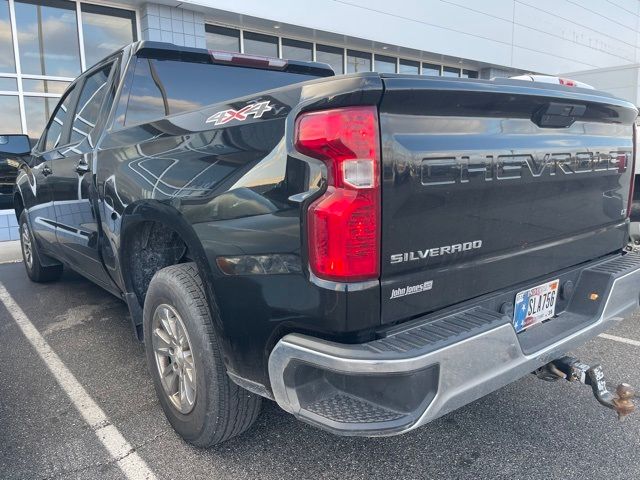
573 370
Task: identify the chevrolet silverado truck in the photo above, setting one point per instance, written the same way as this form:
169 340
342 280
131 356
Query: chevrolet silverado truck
371 251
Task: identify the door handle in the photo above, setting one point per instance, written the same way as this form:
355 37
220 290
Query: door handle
46 170
82 167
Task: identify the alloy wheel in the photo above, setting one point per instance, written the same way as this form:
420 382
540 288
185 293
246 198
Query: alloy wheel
174 358
27 248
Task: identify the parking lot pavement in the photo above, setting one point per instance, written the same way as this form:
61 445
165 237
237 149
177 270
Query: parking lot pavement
528 430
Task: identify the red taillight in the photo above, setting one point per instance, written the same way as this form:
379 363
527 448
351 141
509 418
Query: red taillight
344 223
256 61
566 82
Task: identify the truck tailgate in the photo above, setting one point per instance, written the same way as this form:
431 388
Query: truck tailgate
494 184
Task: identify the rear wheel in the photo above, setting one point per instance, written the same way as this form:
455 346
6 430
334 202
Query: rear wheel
32 262
200 401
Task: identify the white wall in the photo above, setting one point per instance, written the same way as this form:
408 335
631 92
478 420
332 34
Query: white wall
623 81
548 36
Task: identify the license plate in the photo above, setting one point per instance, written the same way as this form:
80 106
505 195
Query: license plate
535 305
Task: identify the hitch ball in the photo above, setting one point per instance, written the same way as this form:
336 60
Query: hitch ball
624 403
574 370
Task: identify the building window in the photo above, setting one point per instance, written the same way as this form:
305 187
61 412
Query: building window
469 74
44 86
297 50
450 72
222 38
332 55
409 66
358 61
37 111
10 118
431 69
259 44
8 85
48 37
7 60
385 64
105 30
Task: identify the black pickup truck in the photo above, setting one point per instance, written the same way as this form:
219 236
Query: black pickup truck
371 251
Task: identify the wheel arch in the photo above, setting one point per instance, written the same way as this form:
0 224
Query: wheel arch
134 216
18 204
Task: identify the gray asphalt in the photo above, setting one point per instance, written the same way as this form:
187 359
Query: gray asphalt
528 430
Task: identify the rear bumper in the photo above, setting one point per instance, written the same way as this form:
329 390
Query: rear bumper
415 375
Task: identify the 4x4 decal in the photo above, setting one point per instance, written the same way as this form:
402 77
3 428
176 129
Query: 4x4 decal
225 116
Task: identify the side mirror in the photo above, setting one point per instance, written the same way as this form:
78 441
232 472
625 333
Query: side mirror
14 145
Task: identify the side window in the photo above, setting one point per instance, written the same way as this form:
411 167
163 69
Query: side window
87 111
53 134
147 100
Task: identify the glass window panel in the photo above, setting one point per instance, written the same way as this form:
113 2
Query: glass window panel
297 50
10 118
8 84
48 37
44 86
258 44
469 74
53 135
7 60
37 111
105 30
431 69
358 61
87 110
331 55
409 66
145 100
181 93
221 38
385 64
450 72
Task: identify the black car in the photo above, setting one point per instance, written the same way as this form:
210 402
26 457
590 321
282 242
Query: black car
371 251
9 165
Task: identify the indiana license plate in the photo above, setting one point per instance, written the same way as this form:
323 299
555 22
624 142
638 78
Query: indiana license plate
535 305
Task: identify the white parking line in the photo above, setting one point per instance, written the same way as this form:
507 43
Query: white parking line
131 464
628 341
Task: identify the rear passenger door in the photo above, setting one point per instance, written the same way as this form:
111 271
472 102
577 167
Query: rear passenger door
72 185
46 153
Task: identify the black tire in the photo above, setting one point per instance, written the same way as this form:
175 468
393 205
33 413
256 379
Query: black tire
36 271
221 409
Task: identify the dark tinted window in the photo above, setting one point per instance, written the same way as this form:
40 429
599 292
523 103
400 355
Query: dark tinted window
409 66
385 64
469 74
297 50
431 69
358 61
450 72
53 135
89 103
331 55
166 87
222 38
259 44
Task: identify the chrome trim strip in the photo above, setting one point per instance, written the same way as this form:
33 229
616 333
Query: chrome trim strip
340 286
